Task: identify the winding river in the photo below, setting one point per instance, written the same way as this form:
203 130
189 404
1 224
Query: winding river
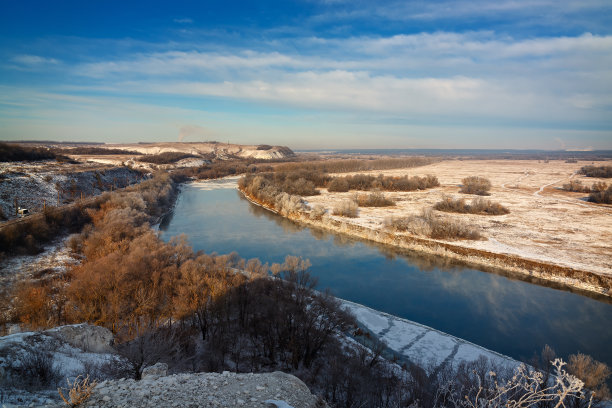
506 315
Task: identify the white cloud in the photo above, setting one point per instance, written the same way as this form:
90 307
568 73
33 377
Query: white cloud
474 74
177 62
33 60
183 20
455 78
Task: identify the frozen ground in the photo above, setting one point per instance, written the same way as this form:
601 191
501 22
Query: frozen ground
70 351
414 342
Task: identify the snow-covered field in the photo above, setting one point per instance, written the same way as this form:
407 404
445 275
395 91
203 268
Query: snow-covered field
545 223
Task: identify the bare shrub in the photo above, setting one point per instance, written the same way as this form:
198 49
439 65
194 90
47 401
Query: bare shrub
592 372
413 224
596 171
427 224
346 208
601 194
317 212
155 345
526 388
406 183
37 370
338 184
366 182
375 199
478 206
78 392
488 207
576 186
165 157
348 165
475 185
14 152
449 205
299 186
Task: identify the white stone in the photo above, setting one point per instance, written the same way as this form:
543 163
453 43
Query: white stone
156 370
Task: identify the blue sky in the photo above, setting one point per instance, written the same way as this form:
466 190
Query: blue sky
310 74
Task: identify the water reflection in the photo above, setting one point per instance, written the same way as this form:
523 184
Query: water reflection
258 211
496 310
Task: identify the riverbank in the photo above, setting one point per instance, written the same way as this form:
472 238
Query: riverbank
409 342
529 269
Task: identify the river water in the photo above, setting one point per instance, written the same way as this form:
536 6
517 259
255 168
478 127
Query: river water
506 315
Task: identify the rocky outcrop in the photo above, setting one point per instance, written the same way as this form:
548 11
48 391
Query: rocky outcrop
206 390
94 339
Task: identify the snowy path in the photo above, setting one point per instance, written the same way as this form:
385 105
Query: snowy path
537 193
414 342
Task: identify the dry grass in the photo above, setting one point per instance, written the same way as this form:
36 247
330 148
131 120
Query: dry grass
78 392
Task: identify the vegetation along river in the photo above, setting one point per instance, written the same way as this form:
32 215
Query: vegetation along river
506 315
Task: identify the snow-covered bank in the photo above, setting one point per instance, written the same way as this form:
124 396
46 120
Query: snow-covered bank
417 343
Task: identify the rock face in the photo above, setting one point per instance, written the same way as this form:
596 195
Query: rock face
94 339
206 390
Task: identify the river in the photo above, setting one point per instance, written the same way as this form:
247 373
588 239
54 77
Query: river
507 315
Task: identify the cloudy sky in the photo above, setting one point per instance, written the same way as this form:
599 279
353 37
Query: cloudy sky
310 73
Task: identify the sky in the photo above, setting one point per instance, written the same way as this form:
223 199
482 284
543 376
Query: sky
310 74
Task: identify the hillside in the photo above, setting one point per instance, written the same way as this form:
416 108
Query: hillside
217 150
34 184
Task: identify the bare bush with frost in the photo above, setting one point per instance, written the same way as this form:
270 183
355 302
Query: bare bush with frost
527 388
429 225
78 392
346 208
317 212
